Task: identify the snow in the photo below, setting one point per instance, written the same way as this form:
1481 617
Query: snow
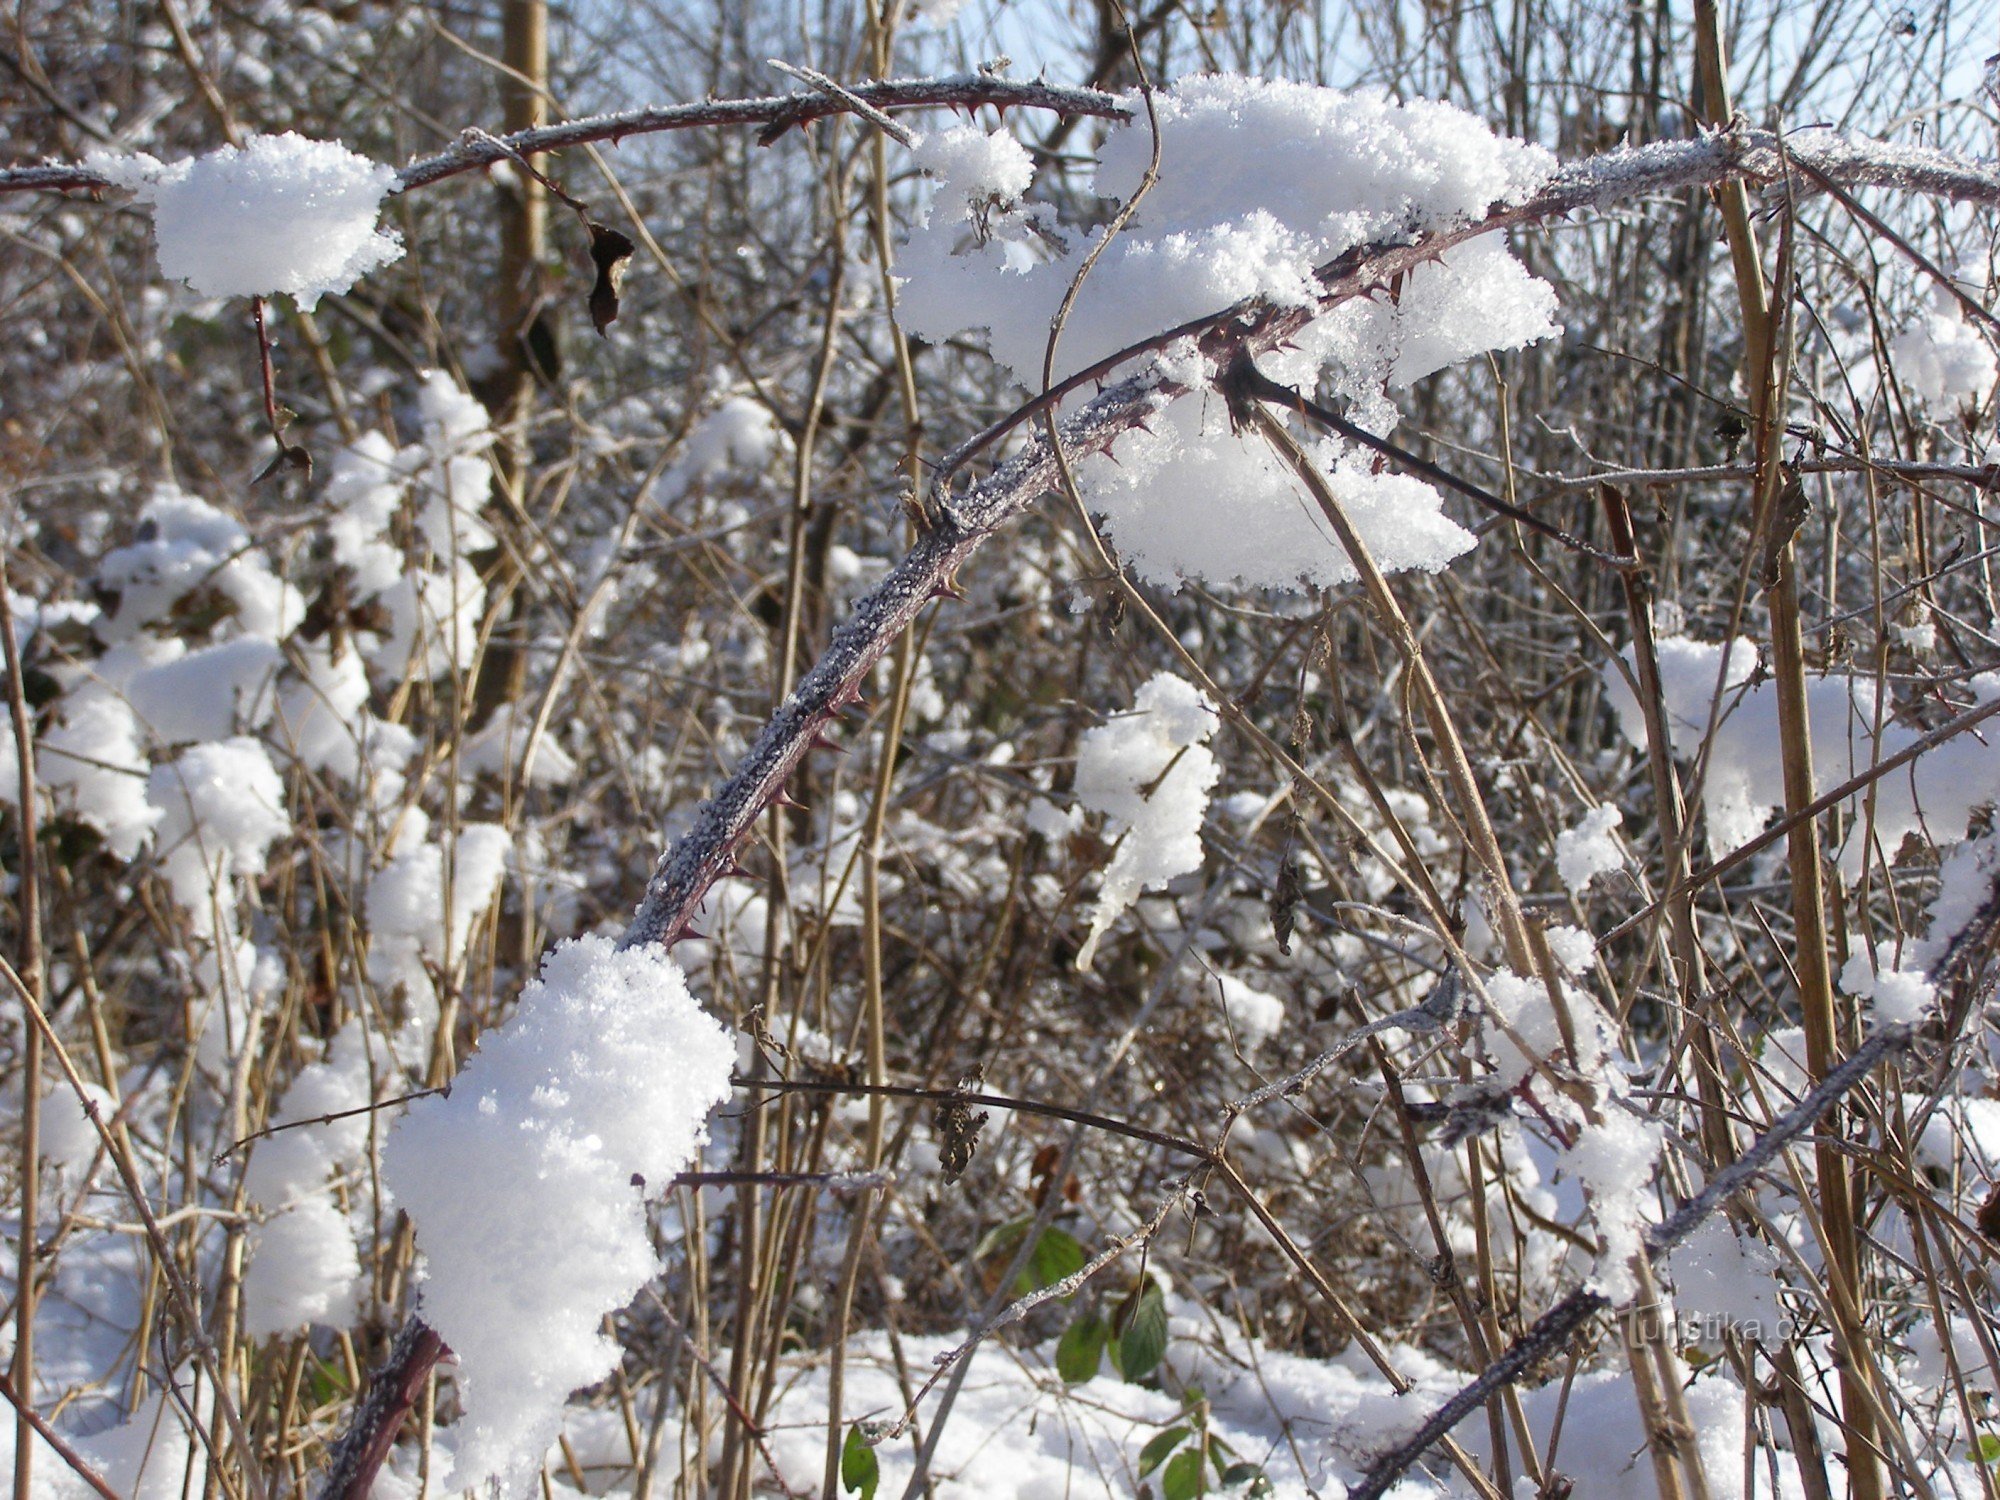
1728 1282
207 694
521 1186
90 763
1934 797
221 806
303 1269
406 899
433 601
1523 1005
1149 775
1572 947
739 436
1194 499
1254 1015
1312 1425
279 214
975 168
323 718
501 747
1588 850
1945 362
1895 994
184 545
1260 183
69 1142
1614 1157
304 1266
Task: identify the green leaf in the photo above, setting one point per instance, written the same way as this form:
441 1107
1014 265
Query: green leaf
1251 1475
859 1470
1155 1452
1183 1479
1057 1254
1143 1344
1081 1349
1001 1237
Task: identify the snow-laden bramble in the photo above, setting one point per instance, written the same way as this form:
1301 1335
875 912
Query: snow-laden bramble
521 1186
1260 183
280 213
1149 773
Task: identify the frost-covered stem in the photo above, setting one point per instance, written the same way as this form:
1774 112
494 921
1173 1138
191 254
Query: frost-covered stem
1602 181
1554 1329
706 852
28 907
777 114
378 1417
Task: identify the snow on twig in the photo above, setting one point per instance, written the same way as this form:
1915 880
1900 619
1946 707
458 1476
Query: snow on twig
1553 1330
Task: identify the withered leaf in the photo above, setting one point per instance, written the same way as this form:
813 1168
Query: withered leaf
957 1128
1988 1218
1285 901
1789 514
609 252
289 454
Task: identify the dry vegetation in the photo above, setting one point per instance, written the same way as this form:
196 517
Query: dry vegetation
915 920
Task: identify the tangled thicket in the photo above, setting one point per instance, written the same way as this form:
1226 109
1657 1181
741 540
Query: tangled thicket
1344 822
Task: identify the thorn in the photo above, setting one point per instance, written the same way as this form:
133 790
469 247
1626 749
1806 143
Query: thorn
733 871
947 588
687 935
783 798
820 741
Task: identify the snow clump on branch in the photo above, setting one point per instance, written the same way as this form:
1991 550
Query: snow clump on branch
526 1186
1149 774
1260 183
280 213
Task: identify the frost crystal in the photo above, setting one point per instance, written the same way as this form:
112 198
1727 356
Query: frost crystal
279 214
